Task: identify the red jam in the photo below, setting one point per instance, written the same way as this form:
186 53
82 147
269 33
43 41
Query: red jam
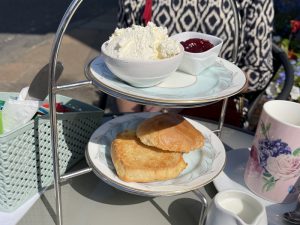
196 45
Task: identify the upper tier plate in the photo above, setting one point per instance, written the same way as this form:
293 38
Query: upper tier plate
221 80
203 164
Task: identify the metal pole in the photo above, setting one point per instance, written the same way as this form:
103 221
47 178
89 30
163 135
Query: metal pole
52 99
204 207
222 117
75 174
234 60
72 85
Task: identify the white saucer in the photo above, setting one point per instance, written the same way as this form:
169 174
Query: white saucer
232 177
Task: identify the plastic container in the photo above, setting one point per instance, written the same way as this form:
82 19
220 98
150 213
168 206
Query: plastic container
195 63
26 155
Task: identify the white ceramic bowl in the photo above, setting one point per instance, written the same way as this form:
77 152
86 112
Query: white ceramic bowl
194 63
142 73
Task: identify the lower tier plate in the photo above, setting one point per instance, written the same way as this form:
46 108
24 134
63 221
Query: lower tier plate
203 164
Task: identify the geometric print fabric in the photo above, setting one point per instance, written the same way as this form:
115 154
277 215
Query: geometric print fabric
215 17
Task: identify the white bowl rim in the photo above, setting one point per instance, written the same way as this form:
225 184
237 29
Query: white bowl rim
103 50
200 53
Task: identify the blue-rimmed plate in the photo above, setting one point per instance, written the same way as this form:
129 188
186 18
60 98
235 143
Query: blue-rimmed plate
221 80
203 164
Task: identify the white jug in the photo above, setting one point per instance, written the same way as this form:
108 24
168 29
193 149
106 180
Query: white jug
233 207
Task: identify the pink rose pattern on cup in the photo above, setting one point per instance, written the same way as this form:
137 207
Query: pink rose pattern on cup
284 166
275 160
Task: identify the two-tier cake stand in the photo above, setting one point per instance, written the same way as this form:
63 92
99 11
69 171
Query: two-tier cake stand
102 86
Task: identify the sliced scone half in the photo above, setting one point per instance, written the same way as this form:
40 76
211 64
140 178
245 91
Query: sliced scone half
136 162
170 132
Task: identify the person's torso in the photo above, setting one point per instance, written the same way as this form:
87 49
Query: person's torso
213 17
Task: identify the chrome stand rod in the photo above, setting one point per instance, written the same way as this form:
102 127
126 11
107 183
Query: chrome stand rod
72 85
204 207
234 60
216 131
75 174
52 99
222 117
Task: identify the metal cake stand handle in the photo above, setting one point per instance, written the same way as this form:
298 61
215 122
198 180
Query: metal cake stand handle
54 88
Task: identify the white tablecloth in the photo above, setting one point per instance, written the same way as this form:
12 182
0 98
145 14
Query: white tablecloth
12 218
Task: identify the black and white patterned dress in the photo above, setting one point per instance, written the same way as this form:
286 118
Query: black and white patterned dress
216 17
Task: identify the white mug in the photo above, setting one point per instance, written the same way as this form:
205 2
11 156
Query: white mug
233 207
273 168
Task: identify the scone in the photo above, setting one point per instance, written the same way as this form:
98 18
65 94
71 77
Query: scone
137 162
170 132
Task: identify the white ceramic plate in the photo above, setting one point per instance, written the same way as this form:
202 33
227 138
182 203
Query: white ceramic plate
232 177
223 79
203 165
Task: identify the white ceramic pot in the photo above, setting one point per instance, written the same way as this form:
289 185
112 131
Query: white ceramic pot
233 207
195 63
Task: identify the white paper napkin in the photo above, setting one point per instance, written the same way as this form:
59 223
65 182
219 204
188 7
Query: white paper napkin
17 112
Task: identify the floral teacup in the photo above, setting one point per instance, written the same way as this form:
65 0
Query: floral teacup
273 168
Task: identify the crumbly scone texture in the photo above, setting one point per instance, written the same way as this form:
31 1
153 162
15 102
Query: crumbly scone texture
170 132
136 162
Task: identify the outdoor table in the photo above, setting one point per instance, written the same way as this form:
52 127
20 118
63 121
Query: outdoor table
89 200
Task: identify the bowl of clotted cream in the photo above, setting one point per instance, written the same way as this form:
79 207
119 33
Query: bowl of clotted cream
142 56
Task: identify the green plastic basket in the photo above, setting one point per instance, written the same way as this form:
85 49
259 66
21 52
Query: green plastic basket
26 156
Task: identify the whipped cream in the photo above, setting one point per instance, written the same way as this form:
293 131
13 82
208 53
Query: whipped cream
138 42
